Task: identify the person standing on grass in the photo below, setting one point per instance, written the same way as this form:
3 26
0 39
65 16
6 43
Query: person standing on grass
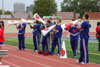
21 36
46 40
41 28
98 34
1 37
51 32
57 38
84 37
74 36
36 35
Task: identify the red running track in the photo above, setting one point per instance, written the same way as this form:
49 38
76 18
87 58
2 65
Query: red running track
29 58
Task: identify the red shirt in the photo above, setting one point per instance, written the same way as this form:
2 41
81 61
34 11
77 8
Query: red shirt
2 34
97 30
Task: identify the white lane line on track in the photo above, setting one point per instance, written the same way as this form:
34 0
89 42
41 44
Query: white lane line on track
29 60
49 59
10 63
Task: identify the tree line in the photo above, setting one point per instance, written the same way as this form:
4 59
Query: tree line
49 7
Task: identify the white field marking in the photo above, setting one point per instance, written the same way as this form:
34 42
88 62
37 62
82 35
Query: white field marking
10 63
29 60
93 41
50 59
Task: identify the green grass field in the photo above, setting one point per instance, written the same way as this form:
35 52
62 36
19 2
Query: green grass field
94 54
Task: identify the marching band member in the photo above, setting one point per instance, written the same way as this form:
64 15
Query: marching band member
36 35
74 35
57 38
84 36
21 36
46 40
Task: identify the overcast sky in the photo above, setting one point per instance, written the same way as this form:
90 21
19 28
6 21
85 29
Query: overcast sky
8 4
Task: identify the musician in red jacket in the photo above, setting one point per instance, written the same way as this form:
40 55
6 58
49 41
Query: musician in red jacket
1 36
98 34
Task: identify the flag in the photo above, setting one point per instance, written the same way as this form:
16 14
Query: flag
63 51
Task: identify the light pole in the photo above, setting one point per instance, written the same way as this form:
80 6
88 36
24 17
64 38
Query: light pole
2 8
